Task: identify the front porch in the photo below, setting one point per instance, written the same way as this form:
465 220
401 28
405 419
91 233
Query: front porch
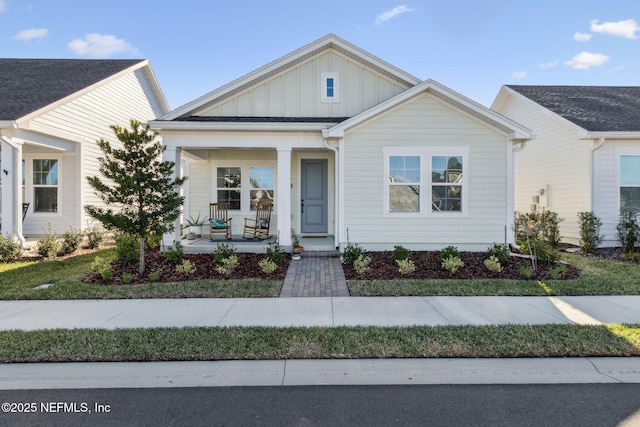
205 245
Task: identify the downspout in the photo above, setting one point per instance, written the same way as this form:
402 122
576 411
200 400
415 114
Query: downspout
596 146
511 190
336 185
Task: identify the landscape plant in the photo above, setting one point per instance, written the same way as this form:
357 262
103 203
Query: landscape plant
267 266
275 253
48 245
186 267
361 264
449 252
590 237
500 252
493 264
400 253
628 231
95 236
351 253
71 240
126 248
452 264
102 267
137 187
10 249
406 266
174 254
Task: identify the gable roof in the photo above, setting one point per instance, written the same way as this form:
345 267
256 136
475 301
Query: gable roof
593 108
515 131
27 85
330 41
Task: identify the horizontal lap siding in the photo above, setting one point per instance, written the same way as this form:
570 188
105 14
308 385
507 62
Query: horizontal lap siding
86 120
555 158
425 122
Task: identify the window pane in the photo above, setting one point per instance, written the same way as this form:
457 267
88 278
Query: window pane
262 177
260 196
228 178
404 198
629 170
446 198
46 199
630 199
404 169
45 172
446 169
232 197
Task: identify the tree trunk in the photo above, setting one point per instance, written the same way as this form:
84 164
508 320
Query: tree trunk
142 248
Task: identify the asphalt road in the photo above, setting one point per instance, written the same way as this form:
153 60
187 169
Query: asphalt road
429 405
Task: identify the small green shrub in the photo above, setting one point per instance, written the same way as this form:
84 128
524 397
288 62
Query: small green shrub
558 272
71 240
526 271
400 253
590 237
541 251
628 231
127 248
267 266
406 266
155 276
550 228
223 251
351 253
102 268
275 253
227 265
48 245
361 264
449 252
95 236
127 277
174 253
10 250
452 264
493 264
186 267
500 251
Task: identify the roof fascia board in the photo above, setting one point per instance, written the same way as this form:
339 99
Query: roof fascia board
25 119
8 124
612 135
160 125
157 89
324 42
517 131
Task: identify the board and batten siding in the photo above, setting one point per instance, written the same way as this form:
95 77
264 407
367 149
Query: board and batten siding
83 121
426 122
557 161
296 92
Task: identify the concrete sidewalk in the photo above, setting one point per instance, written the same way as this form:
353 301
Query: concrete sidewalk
328 311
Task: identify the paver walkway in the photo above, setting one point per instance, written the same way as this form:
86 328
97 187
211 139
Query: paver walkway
317 274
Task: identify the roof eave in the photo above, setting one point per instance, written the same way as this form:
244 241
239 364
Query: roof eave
612 135
168 125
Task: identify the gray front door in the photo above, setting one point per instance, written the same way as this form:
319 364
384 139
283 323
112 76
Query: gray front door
314 198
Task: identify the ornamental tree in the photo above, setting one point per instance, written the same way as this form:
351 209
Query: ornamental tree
140 196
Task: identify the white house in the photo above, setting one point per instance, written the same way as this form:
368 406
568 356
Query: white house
52 111
586 154
351 147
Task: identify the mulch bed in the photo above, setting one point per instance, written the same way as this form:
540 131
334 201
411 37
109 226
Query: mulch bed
205 269
428 266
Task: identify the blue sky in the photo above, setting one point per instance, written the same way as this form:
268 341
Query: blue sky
471 46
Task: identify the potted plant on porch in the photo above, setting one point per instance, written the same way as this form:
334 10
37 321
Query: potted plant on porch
195 227
296 249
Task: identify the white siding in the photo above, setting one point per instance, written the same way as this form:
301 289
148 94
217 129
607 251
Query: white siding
423 122
555 160
296 92
84 121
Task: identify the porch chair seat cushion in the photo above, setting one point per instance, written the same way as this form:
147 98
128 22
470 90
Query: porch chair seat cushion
218 223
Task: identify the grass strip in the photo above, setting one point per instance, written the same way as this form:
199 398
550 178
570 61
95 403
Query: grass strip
265 343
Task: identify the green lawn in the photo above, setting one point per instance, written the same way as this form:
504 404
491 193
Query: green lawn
248 343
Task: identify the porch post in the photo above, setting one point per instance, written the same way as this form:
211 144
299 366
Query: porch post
11 176
172 154
283 196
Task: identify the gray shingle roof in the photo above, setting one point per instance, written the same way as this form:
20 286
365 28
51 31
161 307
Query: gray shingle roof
594 108
26 85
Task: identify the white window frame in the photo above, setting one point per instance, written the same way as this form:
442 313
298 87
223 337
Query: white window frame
29 188
245 181
619 153
336 88
426 154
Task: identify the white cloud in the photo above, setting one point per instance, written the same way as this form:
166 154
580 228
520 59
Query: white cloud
627 29
586 60
582 37
549 64
97 45
33 33
519 75
390 14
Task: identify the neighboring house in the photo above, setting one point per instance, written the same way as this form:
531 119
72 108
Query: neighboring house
351 147
585 155
52 111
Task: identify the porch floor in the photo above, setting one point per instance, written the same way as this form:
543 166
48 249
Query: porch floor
205 245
